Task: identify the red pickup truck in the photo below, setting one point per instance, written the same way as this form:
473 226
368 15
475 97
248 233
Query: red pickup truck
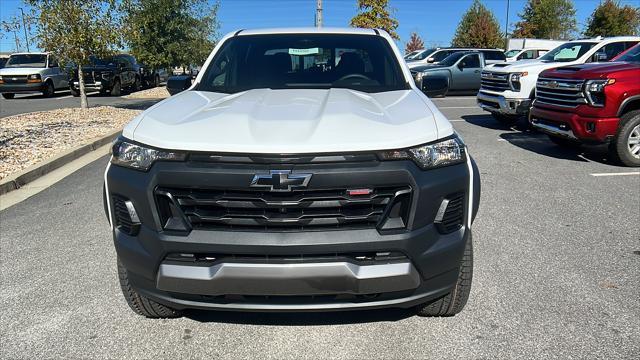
593 104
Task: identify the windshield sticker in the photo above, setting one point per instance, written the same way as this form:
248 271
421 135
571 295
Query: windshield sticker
302 52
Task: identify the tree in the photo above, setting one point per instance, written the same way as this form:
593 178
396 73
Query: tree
73 30
612 19
167 33
547 19
415 43
478 28
375 14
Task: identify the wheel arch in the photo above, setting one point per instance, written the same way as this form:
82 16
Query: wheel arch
629 104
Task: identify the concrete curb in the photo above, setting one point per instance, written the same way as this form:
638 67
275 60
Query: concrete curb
35 171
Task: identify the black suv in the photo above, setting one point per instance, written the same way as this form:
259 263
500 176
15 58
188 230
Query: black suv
109 75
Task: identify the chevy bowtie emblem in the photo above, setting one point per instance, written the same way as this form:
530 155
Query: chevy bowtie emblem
280 180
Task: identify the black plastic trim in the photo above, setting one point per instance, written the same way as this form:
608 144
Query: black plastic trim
626 102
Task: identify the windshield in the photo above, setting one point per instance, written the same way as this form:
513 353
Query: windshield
567 52
100 62
632 56
27 61
423 54
304 61
452 59
411 54
512 53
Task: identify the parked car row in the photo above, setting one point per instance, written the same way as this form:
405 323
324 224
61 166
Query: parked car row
41 73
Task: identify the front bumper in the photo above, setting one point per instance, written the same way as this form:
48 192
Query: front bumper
101 85
21 88
572 125
502 105
295 271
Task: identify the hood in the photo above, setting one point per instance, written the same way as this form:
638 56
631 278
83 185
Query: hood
287 121
97 68
592 70
20 71
531 66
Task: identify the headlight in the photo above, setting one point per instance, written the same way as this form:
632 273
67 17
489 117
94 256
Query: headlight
105 75
594 91
442 153
138 157
33 78
514 80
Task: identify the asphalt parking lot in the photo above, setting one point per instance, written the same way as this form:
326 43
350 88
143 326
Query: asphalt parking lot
24 103
557 273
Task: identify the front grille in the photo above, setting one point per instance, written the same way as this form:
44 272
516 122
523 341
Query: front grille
453 215
122 218
560 92
494 81
299 210
14 79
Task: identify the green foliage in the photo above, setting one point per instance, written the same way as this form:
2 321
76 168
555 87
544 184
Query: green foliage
167 33
415 43
375 14
612 19
478 28
547 19
75 29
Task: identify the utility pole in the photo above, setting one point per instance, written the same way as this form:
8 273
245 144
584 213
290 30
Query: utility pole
506 29
318 13
24 26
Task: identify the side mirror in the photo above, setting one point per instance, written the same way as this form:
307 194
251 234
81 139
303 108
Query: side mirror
176 84
431 60
600 57
461 65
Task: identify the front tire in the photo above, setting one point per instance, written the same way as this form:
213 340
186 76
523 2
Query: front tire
140 304
49 90
8 96
453 302
74 92
625 147
156 81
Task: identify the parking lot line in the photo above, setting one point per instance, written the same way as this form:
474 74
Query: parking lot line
617 174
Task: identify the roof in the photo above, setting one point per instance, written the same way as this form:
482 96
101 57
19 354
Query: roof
608 39
30 53
306 30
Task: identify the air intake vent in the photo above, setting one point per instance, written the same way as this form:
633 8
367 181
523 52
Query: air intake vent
123 215
451 214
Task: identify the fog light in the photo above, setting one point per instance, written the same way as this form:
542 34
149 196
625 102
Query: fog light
133 215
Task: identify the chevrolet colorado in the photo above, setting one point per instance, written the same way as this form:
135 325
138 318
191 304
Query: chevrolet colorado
593 104
508 89
303 170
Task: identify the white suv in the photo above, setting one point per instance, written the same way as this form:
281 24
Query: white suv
302 171
508 89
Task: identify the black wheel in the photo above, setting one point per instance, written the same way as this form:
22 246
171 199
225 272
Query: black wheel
116 89
625 147
453 302
140 304
504 119
8 95
563 142
156 81
48 89
74 92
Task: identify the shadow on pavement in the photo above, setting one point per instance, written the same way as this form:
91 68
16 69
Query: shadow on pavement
523 137
300 318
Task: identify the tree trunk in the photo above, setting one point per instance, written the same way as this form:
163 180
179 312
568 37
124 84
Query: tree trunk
83 94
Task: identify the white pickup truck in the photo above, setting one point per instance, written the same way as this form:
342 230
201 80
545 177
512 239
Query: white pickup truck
507 90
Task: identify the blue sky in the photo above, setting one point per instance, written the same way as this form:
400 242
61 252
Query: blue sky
434 20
